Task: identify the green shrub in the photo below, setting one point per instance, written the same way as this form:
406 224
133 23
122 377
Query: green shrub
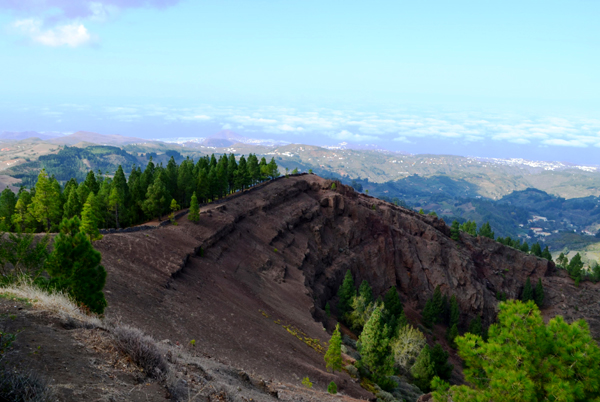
332 388
306 382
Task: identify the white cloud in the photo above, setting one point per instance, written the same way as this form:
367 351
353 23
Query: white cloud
403 139
348 136
565 143
72 35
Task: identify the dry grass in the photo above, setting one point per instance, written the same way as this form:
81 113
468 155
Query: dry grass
58 303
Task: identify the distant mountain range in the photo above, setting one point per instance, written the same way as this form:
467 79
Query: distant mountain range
24 135
71 139
95 138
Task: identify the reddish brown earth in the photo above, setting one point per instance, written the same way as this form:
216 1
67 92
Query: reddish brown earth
255 273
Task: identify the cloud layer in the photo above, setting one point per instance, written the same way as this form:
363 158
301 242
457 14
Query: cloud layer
331 126
398 126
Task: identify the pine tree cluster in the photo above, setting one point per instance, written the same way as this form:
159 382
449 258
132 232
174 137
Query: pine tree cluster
535 294
113 202
386 341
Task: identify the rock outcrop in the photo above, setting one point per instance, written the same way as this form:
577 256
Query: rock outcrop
249 282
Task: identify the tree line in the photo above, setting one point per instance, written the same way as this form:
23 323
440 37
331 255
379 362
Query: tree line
101 201
485 230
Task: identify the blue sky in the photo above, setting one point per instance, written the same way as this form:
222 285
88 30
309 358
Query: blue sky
494 78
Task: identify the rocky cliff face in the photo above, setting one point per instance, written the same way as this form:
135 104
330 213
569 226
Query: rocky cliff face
248 280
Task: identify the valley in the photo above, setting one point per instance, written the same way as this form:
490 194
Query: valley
502 192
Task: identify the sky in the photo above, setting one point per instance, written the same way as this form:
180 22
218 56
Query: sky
494 78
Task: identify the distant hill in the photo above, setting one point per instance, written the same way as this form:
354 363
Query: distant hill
95 138
223 139
23 135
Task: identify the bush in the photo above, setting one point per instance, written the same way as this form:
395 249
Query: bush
407 346
306 382
142 349
332 388
23 387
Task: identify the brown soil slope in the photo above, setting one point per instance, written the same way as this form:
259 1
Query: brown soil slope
247 282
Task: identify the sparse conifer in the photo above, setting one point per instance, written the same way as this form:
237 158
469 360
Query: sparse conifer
333 356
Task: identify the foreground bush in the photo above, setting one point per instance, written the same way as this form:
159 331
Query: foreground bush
74 266
16 386
527 360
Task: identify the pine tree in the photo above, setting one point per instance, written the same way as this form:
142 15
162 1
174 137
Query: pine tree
546 254
174 208
74 266
203 185
91 183
346 293
423 370
242 176
119 197
264 169
525 247
156 198
73 205
272 170
45 204
525 359
527 291
172 173
438 305
115 203
392 310
562 261
455 231
439 358
539 294
366 291
89 219
575 266
486 231
332 388
232 166
433 308
194 214
469 227
253 169
333 356
454 310
8 202
453 319
536 249
392 302
475 326
429 314
452 334
375 348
